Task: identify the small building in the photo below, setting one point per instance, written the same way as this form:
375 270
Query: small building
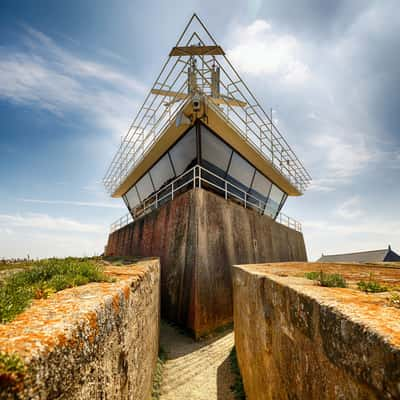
362 256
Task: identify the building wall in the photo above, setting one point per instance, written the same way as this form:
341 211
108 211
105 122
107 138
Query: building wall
198 236
97 341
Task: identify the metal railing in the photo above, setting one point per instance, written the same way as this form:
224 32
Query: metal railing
159 110
199 177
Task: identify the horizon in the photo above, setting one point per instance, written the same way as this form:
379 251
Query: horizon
73 76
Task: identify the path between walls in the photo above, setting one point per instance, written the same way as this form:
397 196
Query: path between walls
196 370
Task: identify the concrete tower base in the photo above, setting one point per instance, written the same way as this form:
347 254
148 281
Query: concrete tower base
198 237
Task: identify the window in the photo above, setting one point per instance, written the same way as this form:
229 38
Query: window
132 197
162 172
183 153
260 187
241 171
144 187
215 152
274 201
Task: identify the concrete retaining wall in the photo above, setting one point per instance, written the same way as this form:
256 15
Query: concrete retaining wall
198 236
98 341
297 340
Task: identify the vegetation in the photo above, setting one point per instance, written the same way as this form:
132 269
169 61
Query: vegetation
237 387
371 286
327 280
12 372
44 278
394 300
157 380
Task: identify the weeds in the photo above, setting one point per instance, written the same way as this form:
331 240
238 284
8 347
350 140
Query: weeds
12 372
44 278
157 380
237 387
327 280
394 300
371 286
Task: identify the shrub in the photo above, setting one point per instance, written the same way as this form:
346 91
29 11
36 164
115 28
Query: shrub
327 280
371 286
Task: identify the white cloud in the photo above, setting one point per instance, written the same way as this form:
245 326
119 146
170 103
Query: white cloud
47 222
74 203
351 208
344 155
260 51
52 78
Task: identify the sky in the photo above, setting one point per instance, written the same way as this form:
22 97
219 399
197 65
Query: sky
73 75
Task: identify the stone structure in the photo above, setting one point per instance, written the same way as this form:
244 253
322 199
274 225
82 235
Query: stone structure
198 236
297 340
97 341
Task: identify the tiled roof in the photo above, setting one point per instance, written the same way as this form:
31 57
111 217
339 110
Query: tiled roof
362 256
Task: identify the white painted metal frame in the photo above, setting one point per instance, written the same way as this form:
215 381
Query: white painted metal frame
158 111
195 177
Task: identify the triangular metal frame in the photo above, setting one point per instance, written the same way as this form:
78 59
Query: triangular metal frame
159 110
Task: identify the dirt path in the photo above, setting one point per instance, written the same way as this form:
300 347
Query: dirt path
196 370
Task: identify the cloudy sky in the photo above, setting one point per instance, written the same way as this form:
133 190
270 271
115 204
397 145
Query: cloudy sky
73 73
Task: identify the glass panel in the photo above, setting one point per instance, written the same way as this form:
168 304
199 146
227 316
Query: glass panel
260 187
132 197
215 151
183 154
144 187
274 201
241 171
162 172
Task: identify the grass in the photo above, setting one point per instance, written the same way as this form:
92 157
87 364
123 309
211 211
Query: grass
237 387
327 280
12 372
371 286
44 278
157 380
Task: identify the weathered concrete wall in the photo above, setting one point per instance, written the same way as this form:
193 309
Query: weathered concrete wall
297 340
98 341
198 236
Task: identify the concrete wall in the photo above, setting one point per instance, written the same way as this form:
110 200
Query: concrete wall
98 341
198 236
297 340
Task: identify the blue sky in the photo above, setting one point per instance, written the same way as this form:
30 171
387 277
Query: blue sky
72 75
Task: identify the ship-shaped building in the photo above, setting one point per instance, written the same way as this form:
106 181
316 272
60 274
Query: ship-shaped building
205 174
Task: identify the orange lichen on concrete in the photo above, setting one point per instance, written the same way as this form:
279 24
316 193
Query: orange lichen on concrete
372 308
297 339
53 321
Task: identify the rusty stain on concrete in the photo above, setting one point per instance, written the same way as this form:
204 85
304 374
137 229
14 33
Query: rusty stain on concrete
316 342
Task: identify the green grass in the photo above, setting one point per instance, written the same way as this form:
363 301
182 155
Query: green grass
44 278
327 280
157 380
237 387
371 286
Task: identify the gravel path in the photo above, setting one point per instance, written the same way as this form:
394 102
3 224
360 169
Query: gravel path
196 370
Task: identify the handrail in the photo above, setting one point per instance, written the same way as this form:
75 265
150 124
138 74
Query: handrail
196 176
158 111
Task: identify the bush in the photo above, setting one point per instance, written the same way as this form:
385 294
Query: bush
327 280
42 279
371 286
